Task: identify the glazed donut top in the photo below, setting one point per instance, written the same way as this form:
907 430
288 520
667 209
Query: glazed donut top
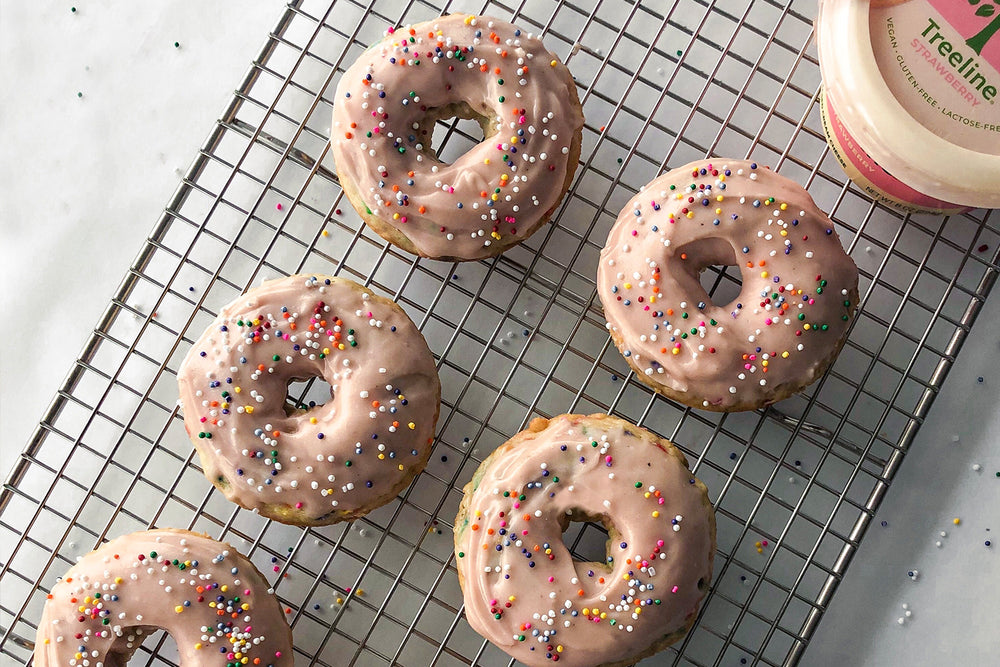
523 589
495 193
333 461
209 598
799 286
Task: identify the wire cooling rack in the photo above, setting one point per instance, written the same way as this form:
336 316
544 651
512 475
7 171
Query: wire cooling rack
794 486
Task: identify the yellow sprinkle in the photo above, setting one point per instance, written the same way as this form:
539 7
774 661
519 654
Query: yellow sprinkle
468 19
486 161
806 327
722 177
646 495
340 346
764 274
764 363
604 615
326 350
784 232
249 409
628 285
47 640
312 420
118 580
718 198
225 587
784 207
237 389
676 350
656 514
326 233
79 656
495 197
586 611
689 214
511 598
400 466
554 63
412 426
395 216
784 355
956 521
179 608
198 646
381 457
340 600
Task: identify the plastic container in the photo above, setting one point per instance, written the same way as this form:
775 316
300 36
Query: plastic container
911 99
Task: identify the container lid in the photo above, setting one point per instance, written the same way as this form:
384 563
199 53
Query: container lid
916 83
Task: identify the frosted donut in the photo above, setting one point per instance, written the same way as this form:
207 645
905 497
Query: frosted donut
799 288
495 195
524 591
213 602
332 462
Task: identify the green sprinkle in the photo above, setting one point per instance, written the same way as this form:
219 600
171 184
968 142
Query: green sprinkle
275 357
347 464
177 45
638 485
500 81
684 316
802 316
461 554
819 290
501 99
152 554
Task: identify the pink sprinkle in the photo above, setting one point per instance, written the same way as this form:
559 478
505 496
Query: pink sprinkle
767 321
645 307
635 233
607 459
527 625
517 506
493 602
278 206
524 532
298 506
204 419
660 502
521 120
277 654
503 524
451 190
276 568
659 543
746 366
347 590
376 129
812 301
764 542
673 590
391 30
551 579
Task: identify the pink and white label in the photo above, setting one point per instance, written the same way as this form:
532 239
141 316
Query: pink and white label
873 178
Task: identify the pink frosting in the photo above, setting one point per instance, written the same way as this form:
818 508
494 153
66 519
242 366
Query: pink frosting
333 461
106 605
497 192
523 589
797 296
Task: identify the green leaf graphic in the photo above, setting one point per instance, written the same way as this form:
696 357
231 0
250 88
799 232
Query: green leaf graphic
985 10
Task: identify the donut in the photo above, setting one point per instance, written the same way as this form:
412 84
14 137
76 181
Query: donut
211 600
522 588
499 192
798 296
327 463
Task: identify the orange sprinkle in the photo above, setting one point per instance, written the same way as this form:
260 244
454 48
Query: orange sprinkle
348 135
475 526
375 404
260 367
762 262
275 433
422 209
670 311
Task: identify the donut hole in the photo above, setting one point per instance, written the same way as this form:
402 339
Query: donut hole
306 394
455 130
587 537
709 272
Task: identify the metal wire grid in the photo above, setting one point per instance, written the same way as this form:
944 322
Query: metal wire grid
515 337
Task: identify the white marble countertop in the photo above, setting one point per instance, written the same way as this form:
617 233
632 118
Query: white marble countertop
101 113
